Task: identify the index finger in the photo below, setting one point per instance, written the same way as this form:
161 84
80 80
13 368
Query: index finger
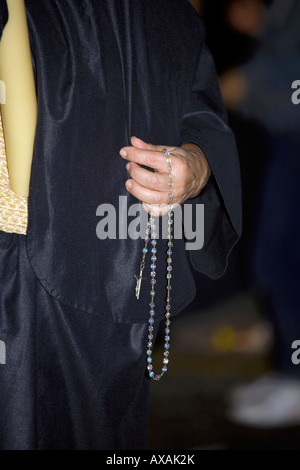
151 158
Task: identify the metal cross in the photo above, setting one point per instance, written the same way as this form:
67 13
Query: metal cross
138 283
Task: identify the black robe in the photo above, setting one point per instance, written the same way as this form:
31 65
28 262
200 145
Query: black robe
107 70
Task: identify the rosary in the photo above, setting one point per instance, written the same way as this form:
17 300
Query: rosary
151 236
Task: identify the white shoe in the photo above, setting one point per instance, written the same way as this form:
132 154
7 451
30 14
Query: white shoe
271 401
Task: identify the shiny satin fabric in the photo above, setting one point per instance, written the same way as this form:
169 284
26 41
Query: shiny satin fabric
106 70
70 380
3 15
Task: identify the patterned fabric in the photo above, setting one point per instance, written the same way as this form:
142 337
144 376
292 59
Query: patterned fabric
13 208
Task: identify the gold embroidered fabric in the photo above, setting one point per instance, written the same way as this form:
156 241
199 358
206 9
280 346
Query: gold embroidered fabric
13 208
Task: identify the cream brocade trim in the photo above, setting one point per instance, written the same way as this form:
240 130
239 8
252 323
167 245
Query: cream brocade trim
13 208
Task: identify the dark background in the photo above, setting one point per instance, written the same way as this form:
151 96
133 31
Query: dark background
232 332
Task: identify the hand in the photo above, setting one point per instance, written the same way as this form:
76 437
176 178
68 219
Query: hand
190 170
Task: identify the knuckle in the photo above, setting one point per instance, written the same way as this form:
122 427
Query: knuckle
151 160
152 181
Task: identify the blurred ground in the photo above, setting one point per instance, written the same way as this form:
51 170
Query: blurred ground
211 351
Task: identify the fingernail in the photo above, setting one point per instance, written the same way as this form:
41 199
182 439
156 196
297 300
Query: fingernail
128 184
123 153
128 166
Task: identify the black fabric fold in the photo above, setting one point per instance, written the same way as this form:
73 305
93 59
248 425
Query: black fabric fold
3 16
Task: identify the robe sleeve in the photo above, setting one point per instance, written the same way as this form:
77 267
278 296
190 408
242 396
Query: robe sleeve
205 124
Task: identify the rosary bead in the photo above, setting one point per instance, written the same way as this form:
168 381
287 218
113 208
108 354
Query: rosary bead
151 235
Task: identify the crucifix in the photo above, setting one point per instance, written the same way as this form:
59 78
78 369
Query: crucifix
138 283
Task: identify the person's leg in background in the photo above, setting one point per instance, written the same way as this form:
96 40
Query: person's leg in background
277 260
273 400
